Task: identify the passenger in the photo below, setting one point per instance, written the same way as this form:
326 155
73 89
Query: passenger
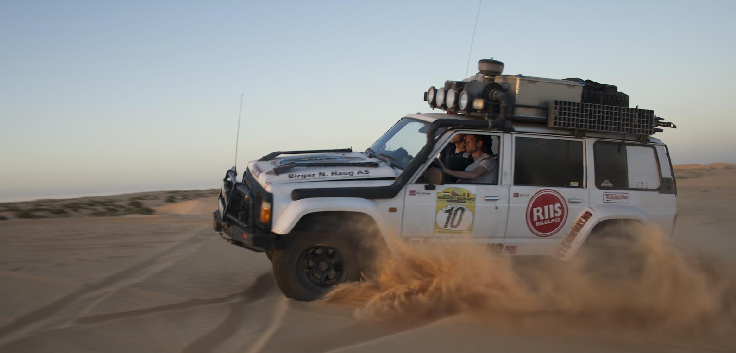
455 156
483 170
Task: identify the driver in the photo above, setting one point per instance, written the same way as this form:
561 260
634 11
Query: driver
455 157
484 169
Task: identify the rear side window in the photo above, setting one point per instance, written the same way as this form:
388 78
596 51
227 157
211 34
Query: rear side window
622 167
610 166
643 168
548 162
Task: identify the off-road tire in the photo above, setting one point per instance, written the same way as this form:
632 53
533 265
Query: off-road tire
612 251
618 99
288 260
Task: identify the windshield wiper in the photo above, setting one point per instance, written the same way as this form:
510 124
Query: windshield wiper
370 152
390 160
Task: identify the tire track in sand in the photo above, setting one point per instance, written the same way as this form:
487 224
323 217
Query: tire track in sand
262 286
46 317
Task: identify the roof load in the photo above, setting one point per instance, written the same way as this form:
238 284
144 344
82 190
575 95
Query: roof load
568 104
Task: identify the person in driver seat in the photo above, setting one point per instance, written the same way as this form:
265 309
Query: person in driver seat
483 170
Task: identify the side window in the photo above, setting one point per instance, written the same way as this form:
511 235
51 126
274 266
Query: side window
643 168
611 171
464 161
548 162
622 167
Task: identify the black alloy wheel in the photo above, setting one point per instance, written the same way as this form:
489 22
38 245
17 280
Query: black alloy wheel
322 265
311 261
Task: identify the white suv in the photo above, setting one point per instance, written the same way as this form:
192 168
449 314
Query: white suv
567 167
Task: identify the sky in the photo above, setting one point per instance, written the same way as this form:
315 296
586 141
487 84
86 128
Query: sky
101 97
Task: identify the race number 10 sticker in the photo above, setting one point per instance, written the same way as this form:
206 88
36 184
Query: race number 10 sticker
455 208
546 213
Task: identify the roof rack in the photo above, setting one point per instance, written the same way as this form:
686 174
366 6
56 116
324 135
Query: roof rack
567 104
604 118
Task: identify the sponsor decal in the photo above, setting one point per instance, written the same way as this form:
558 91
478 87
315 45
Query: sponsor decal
455 208
615 197
546 213
511 250
495 248
574 184
412 193
302 175
445 239
332 174
570 237
606 184
516 194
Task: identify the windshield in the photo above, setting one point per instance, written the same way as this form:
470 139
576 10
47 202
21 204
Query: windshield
401 143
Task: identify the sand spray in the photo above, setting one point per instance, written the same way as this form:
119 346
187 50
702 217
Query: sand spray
656 287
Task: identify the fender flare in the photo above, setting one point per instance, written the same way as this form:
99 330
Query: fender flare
584 226
298 209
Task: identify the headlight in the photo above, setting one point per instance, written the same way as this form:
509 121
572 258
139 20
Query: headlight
479 104
430 95
464 97
451 97
440 97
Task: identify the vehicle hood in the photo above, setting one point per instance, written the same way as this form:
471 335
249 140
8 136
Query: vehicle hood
320 167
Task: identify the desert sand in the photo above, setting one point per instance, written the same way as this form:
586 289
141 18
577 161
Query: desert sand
109 276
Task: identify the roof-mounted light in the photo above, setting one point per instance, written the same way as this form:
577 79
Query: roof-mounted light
430 96
440 98
451 98
470 96
463 101
479 104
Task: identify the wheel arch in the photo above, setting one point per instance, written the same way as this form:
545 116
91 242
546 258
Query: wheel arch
601 216
352 212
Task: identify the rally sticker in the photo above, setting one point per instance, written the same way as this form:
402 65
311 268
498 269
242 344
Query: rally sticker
546 213
455 208
615 197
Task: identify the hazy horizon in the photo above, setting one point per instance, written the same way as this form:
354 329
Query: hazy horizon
124 97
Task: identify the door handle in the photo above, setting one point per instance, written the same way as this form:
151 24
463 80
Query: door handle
492 198
575 200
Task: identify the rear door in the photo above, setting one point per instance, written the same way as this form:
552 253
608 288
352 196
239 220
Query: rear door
547 194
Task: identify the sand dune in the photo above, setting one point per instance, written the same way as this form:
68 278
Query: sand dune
166 283
189 208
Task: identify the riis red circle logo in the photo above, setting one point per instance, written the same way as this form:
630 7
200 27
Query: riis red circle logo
546 213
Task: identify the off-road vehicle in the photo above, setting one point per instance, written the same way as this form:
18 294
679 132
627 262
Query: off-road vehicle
572 158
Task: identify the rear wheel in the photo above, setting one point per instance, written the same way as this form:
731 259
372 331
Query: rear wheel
613 250
312 261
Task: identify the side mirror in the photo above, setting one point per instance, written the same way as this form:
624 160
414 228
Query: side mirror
435 176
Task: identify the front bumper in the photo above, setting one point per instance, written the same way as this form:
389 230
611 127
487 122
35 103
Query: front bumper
250 238
234 219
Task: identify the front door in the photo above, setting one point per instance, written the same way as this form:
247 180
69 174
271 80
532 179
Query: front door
456 212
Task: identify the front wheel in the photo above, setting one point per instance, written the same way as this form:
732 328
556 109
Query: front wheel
311 263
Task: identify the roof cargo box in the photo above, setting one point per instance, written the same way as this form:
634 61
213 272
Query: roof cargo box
532 95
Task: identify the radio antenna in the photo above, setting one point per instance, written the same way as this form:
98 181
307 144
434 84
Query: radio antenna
237 136
472 39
